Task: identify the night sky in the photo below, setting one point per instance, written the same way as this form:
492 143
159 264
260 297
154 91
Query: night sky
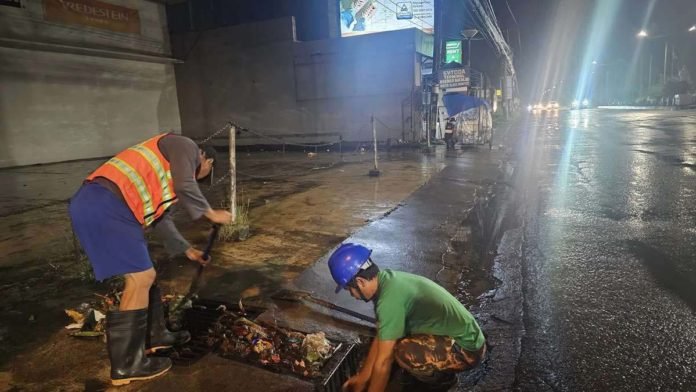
550 38
536 20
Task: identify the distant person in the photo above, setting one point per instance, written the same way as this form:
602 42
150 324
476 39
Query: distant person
130 192
449 133
420 325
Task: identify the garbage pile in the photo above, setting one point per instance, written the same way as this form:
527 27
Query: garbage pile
175 305
89 318
279 349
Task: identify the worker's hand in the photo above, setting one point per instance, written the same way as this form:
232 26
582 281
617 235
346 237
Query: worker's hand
222 217
355 384
194 254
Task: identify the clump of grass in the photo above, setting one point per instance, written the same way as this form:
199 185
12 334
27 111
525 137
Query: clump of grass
239 230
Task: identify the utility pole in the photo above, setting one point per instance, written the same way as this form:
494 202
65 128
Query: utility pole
671 64
650 72
437 55
664 70
469 34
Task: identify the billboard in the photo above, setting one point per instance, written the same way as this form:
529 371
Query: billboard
359 17
453 52
454 78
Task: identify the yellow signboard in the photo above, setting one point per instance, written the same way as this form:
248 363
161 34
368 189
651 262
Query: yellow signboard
93 13
498 92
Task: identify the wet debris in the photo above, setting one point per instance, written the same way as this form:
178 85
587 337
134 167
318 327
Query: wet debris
88 320
175 306
269 346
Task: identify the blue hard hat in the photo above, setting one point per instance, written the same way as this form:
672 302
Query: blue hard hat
346 261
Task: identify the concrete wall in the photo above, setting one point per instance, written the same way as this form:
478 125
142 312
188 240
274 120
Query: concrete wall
259 76
60 100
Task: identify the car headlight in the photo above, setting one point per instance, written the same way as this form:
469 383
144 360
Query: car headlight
529 108
585 103
575 103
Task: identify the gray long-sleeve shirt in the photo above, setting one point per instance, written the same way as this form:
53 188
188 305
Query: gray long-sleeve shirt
184 159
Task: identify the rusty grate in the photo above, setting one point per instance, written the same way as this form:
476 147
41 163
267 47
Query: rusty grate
197 320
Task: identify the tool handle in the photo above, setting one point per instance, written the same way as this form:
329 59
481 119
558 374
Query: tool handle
341 309
211 241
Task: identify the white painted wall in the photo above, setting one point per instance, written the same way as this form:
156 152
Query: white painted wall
59 106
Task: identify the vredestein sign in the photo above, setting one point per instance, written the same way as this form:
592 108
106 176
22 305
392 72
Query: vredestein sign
93 13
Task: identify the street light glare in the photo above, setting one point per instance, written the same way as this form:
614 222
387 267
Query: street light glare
692 28
643 33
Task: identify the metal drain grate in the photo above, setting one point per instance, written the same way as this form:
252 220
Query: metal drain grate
197 320
339 369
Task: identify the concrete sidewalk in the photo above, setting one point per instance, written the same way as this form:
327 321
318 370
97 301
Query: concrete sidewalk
447 232
425 234
440 231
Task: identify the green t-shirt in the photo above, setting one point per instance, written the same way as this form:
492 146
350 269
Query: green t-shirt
410 304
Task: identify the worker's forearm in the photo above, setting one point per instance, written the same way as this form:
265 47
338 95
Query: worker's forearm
366 370
380 376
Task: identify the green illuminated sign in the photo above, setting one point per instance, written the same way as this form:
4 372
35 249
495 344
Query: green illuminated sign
453 52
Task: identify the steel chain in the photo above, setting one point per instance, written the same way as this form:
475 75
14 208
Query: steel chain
219 131
220 180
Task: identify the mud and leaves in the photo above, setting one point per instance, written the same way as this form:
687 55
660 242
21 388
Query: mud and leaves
272 347
90 317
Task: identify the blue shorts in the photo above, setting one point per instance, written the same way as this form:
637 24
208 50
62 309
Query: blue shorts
112 238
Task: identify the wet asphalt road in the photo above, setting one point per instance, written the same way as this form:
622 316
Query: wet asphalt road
608 204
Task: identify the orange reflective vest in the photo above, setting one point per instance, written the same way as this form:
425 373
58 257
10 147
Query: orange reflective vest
143 175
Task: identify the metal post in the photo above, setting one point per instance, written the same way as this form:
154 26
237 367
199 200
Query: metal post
427 124
233 173
650 72
664 70
468 56
671 64
413 127
374 172
641 78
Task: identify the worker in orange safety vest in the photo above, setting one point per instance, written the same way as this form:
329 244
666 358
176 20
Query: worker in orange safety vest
133 191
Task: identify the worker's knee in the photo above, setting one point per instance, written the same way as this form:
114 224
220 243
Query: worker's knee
411 352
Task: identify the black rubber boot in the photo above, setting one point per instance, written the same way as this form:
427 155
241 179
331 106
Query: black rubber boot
158 336
125 339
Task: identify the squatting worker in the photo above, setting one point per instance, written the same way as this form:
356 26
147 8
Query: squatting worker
133 191
420 325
